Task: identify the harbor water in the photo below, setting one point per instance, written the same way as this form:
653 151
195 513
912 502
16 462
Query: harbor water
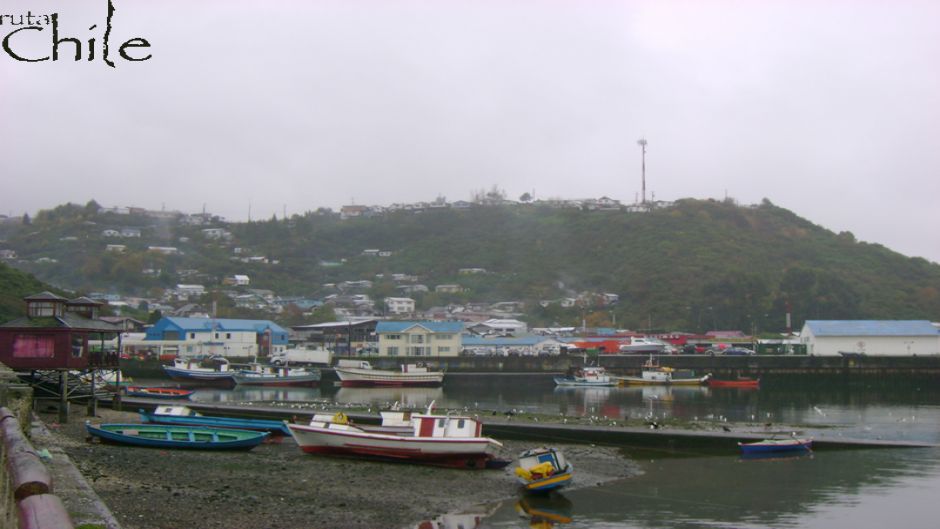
864 488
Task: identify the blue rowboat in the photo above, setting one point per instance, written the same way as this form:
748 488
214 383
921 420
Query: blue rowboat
776 445
188 437
183 415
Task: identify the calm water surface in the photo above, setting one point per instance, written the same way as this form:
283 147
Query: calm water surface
898 488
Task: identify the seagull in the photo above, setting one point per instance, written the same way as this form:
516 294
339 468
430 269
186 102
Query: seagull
725 428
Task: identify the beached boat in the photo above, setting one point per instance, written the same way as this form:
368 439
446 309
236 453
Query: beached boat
442 440
193 371
741 382
776 445
353 373
543 469
654 374
189 437
183 415
587 376
157 392
277 376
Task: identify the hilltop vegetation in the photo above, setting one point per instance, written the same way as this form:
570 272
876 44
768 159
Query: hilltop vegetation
14 286
697 265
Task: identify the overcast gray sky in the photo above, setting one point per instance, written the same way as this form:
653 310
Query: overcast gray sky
830 109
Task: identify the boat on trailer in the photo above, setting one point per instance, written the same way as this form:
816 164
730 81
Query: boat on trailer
185 416
165 436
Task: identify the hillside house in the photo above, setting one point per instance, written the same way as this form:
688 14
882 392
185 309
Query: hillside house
184 291
165 250
500 327
110 233
871 337
448 289
238 280
424 338
130 232
216 336
400 305
115 248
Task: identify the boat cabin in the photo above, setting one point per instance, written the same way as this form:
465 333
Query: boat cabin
441 426
58 333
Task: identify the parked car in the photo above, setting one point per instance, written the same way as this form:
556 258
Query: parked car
737 351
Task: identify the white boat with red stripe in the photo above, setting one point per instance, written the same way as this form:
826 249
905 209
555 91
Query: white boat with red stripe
443 440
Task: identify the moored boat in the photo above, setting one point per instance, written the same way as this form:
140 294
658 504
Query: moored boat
776 445
188 437
654 374
442 440
543 469
183 415
587 376
157 392
277 376
193 371
741 382
353 373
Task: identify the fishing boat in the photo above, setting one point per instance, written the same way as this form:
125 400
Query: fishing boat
776 445
587 376
543 469
441 440
740 382
183 415
193 371
654 374
157 392
277 376
189 437
354 373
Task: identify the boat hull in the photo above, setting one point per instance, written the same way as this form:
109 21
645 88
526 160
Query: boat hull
713 383
202 377
470 453
356 377
639 381
159 393
552 482
260 425
161 436
277 381
769 446
568 381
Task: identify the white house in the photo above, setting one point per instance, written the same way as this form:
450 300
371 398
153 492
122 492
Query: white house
185 291
165 250
400 305
500 326
116 248
871 337
239 280
419 338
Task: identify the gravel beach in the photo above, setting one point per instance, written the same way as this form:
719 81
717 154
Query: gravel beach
276 486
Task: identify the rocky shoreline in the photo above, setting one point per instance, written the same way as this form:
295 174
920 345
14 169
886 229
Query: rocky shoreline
276 486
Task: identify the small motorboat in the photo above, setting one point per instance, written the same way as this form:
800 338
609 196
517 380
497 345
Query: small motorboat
776 445
164 436
740 382
158 392
193 371
183 415
360 373
543 469
277 376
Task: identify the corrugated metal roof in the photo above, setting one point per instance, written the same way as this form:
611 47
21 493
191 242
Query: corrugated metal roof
479 341
208 324
433 326
872 328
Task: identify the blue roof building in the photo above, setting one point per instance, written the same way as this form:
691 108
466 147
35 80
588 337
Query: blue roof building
871 337
217 336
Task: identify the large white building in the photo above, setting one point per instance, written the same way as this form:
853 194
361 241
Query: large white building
400 305
419 338
871 337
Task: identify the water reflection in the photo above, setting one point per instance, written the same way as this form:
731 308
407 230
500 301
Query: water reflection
256 394
469 519
830 490
407 397
544 511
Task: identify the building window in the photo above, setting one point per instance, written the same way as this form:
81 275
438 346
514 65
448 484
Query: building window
44 308
216 336
78 346
444 337
417 338
192 336
443 349
393 351
31 346
393 337
228 336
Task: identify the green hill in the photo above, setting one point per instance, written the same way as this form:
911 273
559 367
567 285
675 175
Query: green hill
697 265
14 286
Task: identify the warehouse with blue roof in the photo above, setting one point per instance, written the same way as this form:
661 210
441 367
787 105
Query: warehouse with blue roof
216 336
871 337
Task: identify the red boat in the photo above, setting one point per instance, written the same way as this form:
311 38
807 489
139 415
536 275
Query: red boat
734 383
156 392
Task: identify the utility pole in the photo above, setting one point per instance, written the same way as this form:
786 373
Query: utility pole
642 143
